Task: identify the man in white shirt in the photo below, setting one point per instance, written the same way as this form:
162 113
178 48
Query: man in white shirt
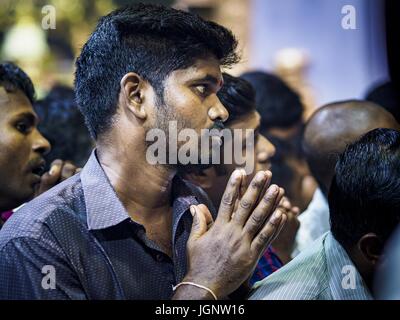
364 211
326 135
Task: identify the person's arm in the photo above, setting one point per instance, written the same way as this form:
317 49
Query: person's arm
224 253
36 269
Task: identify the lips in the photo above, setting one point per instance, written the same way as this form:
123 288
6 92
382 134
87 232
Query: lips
38 167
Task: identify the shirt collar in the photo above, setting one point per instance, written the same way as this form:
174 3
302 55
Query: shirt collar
103 207
340 269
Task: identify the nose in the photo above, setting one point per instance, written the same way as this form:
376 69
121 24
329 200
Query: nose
265 149
218 111
40 144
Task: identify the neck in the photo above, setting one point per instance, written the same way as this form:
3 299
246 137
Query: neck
144 189
362 266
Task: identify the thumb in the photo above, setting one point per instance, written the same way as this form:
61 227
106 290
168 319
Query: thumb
199 226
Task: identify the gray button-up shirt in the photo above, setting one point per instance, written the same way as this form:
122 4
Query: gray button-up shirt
77 241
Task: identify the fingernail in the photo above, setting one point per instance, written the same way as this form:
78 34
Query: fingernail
277 214
192 210
273 189
53 170
236 174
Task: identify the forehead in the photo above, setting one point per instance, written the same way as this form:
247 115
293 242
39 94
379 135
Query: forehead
248 121
201 69
13 103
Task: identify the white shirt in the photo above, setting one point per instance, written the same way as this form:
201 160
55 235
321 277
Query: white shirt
317 273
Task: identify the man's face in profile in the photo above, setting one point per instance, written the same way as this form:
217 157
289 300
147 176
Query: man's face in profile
190 100
22 148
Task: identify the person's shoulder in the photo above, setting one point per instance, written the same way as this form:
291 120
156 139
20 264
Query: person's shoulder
303 278
51 207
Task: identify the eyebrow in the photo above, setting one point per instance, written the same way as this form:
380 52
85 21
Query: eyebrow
28 115
210 78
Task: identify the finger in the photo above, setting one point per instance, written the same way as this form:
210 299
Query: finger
261 213
52 177
267 233
279 197
249 200
242 190
243 184
295 211
207 214
285 203
55 168
266 185
282 226
67 171
199 225
229 197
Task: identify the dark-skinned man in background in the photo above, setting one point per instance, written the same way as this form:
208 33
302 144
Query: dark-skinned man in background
22 146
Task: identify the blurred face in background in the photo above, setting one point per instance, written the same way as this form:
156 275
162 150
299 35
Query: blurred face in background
214 179
22 149
289 166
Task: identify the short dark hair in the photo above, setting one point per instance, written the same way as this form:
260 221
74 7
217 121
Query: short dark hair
13 78
238 97
365 192
387 96
151 40
277 103
63 125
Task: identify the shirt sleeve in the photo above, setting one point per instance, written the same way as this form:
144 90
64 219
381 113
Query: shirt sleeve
36 269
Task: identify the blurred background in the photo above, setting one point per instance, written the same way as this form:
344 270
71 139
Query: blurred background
301 40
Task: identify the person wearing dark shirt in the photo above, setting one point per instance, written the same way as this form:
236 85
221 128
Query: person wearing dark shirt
124 227
22 146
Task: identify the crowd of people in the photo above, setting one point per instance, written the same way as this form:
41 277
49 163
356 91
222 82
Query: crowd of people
85 215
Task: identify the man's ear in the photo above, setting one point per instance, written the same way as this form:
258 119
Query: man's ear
371 247
132 94
204 179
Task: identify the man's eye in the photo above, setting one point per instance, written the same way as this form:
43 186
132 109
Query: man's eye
202 89
22 127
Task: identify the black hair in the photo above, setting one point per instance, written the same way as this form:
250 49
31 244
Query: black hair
238 97
63 125
365 192
13 78
387 96
277 103
150 40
